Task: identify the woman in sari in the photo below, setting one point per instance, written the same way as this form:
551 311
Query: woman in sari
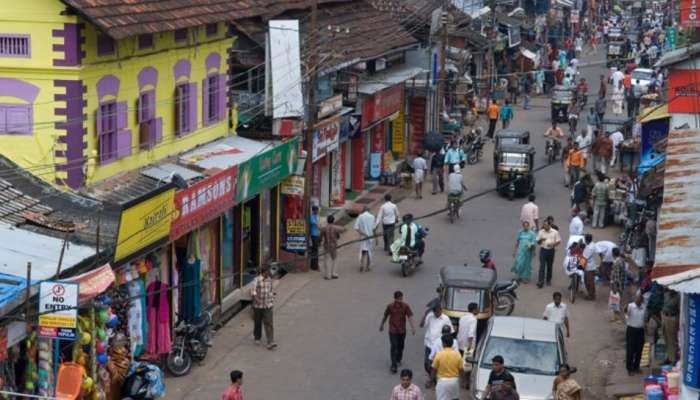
524 249
565 387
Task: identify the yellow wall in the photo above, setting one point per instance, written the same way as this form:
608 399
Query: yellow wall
36 152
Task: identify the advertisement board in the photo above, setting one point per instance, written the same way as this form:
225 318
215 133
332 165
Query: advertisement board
293 185
58 309
144 223
381 105
325 138
691 355
689 13
683 91
296 234
266 170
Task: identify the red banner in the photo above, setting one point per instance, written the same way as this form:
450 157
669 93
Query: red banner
689 13
684 91
93 283
204 201
381 105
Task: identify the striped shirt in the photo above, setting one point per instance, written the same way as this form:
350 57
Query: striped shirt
263 293
410 393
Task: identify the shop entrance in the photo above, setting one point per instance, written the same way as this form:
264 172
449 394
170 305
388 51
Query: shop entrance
250 239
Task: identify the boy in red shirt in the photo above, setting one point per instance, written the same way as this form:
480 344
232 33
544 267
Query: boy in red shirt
234 392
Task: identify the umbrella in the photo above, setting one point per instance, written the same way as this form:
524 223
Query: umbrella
433 141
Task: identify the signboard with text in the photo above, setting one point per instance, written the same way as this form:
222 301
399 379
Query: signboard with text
684 91
689 13
325 138
296 234
691 361
204 201
381 105
293 185
58 309
266 170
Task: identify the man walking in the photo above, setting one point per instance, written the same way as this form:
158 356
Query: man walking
446 368
388 216
548 239
397 313
364 226
634 336
420 166
557 312
606 152
466 337
315 233
577 163
590 253
600 201
531 213
406 390
600 106
506 113
263 296
433 324
493 112
329 238
437 165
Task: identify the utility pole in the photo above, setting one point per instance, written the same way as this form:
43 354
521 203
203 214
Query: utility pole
442 86
311 70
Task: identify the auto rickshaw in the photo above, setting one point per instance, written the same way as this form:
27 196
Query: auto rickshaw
562 97
459 286
509 136
615 55
514 170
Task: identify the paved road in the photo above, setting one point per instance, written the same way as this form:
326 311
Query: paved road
329 344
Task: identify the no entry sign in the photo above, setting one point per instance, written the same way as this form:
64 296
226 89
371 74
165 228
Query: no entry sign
58 309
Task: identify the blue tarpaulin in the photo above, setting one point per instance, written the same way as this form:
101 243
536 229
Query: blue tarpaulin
11 287
653 148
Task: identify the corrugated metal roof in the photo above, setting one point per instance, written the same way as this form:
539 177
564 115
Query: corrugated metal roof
677 55
19 246
384 79
164 172
224 153
683 282
678 235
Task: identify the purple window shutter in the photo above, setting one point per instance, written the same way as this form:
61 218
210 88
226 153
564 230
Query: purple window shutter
157 130
122 115
141 108
123 134
3 119
151 98
18 119
205 102
221 112
99 121
192 107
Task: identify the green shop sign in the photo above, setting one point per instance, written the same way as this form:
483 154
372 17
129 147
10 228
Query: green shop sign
266 169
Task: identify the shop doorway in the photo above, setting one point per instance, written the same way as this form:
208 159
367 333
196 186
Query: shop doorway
250 239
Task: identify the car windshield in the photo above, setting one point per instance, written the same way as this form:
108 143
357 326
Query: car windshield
514 158
458 299
641 75
523 356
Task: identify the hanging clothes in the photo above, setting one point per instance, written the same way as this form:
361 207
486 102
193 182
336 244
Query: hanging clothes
158 318
191 281
138 324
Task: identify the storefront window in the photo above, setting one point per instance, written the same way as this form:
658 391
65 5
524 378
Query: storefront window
231 276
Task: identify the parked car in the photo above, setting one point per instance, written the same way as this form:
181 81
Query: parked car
533 350
644 75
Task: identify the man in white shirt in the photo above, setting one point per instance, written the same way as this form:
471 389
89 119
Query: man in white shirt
419 168
584 140
466 333
590 253
436 346
635 314
433 324
617 77
364 225
617 138
576 224
388 216
531 213
557 312
605 248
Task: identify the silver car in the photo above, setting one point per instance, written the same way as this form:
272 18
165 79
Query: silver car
533 350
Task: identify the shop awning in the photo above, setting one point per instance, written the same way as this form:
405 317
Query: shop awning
388 78
653 113
678 235
93 283
683 282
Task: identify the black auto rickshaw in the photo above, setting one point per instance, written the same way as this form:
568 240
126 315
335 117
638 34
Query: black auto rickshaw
459 286
507 137
514 175
562 97
616 53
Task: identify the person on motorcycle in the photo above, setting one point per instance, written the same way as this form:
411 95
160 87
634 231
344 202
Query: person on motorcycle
555 134
582 92
408 236
485 258
455 185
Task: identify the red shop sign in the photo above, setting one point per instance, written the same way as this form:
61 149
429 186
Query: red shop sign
381 105
684 91
689 13
204 201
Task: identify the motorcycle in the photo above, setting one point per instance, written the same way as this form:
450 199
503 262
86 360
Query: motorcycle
504 293
192 341
551 149
575 271
474 146
453 205
409 257
573 123
144 381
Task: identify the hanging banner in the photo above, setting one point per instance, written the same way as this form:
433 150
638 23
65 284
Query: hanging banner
58 309
337 181
375 165
653 146
689 13
204 201
691 361
325 138
93 283
398 142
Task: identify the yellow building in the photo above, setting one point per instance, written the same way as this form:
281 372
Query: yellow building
87 91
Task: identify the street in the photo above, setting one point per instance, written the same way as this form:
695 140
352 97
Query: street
329 343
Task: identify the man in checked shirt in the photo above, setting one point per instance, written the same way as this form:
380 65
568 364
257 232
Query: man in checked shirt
263 301
406 390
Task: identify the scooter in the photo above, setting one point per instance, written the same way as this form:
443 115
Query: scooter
192 341
409 258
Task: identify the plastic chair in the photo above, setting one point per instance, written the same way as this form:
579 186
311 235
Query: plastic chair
70 378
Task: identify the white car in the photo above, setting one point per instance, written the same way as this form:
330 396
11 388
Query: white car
533 350
644 75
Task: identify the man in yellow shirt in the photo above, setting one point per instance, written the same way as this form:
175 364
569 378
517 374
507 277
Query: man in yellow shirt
576 162
493 112
447 365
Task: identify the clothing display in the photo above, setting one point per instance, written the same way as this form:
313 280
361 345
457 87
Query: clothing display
158 318
138 324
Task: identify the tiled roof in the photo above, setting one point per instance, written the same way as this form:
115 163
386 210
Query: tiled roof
122 18
364 32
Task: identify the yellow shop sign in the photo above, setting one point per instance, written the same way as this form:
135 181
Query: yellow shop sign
145 223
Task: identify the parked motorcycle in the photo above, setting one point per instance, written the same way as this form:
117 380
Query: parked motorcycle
505 296
408 257
192 341
474 146
551 149
144 381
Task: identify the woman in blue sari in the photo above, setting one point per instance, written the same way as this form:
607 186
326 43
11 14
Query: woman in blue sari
524 249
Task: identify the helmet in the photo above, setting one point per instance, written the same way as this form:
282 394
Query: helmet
484 255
